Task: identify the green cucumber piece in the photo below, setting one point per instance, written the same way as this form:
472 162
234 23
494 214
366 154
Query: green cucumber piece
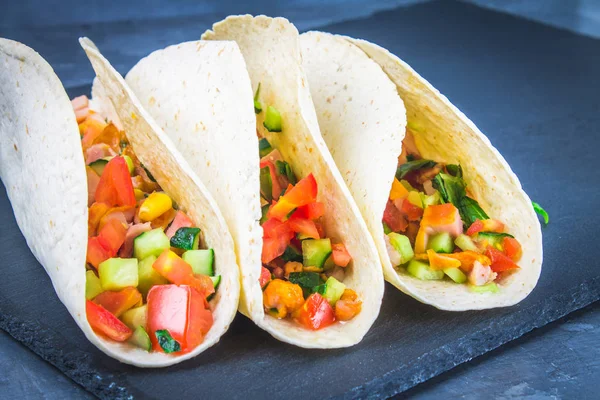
329 263
147 276
402 245
421 270
135 317
216 281
441 243
266 184
150 243
494 238
118 273
186 239
264 147
465 243
141 339
202 261
291 254
456 275
273 121
315 252
98 166
93 287
430 200
257 103
386 228
487 288
333 290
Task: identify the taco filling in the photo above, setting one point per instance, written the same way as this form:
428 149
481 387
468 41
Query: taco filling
434 229
147 280
303 269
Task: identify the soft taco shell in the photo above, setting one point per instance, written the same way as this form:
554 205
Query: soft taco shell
43 169
442 133
276 64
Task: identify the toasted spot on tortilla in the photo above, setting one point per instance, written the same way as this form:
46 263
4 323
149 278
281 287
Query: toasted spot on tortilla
15 146
151 100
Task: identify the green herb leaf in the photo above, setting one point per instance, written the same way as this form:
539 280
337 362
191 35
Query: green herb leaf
543 213
264 147
496 234
455 170
283 168
264 210
453 190
166 341
413 166
257 103
272 120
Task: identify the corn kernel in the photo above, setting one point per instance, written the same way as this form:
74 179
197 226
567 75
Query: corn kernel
154 206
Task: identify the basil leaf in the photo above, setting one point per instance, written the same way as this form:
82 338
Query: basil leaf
283 168
543 213
455 170
166 341
413 166
470 210
453 190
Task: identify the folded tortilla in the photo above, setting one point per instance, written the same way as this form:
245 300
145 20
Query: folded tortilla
224 153
366 150
43 169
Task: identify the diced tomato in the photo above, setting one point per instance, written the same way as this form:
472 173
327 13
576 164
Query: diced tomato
305 192
105 323
199 319
512 248
113 234
475 228
97 251
304 227
168 309
95 214
177 271
265 277
118 302
115 187
340 255
276 188
393 218
500 262
273 248
315 313
412 212
181 221
312 210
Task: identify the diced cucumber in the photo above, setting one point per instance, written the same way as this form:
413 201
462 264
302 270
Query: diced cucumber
273 121
202 261
98 166
456 275
118 273
430 200
291 254
493 238
333 290
441 243
402 245
150 243
266 184
465 243
264 147
186 239
329 263
386 228
487 288
93 287
257 103
415 199
141 339
421 270
135 317
315 252
148 276
216 281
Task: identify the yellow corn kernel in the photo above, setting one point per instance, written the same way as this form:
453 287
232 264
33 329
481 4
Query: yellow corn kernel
154 206
398 191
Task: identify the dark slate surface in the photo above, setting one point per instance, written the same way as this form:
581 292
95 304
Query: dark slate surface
531 88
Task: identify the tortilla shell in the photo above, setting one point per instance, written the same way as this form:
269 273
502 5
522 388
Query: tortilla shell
42 165
444 134
271 50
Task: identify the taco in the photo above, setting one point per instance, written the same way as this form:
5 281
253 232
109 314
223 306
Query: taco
134 245
452 224
310 270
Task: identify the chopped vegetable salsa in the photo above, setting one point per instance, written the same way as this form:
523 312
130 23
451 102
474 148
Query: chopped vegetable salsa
148 281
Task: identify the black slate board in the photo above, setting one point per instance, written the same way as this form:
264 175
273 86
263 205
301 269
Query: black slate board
533 90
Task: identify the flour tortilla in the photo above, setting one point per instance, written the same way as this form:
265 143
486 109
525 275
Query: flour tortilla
233 173
442 133
43 169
